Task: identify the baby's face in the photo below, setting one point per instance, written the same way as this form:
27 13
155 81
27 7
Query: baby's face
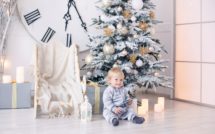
116 81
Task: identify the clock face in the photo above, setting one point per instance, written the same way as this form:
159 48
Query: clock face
44 20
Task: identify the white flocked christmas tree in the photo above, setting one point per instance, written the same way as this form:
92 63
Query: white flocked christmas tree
127 42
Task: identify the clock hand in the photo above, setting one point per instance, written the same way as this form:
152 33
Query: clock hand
83 24
67 16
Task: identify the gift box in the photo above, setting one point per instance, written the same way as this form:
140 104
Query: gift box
15 95
95 94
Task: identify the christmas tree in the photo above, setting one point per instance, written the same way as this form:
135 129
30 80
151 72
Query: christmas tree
127 42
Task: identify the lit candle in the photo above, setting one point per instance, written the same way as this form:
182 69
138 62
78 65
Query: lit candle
161 101
84 84
6 79
158 108
20 74
145 104
141 110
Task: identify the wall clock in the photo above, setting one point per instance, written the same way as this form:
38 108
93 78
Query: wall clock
45 20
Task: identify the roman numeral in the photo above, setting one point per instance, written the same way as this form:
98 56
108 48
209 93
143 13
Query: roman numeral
68 40
48 35
32 16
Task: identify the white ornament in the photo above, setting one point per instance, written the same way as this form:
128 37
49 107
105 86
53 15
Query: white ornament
128 69
136 36
89 74
151 49
159 55
123 30
124 53
135 72
119 26
103 18
133 18
156 74
115 65
88 59
137 4
139 63
106 3
108 49
119 9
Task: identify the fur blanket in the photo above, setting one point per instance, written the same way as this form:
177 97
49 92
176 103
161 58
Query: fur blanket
58 80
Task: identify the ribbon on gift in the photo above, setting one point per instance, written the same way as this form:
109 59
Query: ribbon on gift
14 95
97 96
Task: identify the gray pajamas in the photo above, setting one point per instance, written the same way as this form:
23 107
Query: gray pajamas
113 98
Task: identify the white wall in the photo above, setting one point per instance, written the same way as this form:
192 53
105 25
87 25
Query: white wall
165 32
195 59
20 44
19 51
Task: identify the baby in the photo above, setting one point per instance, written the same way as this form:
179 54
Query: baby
116 100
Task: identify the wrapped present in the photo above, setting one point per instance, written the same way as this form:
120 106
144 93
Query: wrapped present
15 95
95 94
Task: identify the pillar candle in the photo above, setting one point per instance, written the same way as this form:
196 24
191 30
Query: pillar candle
20 74
161 101
6 79
145 104
158 108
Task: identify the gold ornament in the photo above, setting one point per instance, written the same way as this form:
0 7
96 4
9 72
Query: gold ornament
152 15
143 50
127 14
143 26
133 58
108 31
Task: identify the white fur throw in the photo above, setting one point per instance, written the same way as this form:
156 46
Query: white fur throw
58 89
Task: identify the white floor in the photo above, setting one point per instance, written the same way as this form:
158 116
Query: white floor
178 118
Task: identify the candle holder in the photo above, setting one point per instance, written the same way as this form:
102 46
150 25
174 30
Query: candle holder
86 110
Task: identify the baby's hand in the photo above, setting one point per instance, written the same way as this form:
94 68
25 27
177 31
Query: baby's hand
117 110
